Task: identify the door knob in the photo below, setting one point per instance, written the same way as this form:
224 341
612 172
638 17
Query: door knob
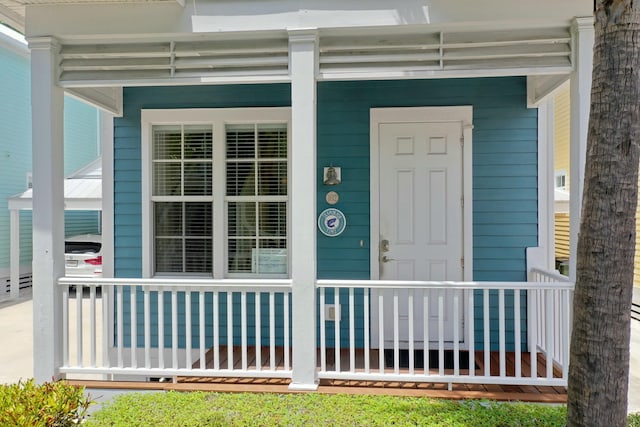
384 258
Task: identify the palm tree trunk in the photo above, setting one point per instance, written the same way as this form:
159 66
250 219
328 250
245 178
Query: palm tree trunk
599 361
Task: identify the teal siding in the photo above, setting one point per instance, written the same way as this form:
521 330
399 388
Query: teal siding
127 154
504 176
504 168
127 189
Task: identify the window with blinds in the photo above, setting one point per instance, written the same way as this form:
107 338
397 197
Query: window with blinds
182 198
190 231
256 197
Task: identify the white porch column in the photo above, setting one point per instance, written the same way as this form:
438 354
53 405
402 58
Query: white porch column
303 63
14 253
47 103
583 39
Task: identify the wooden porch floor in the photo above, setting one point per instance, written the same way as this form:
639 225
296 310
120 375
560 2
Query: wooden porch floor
439 390
544 394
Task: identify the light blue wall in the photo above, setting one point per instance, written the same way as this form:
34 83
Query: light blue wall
504 167
81 139
15 145
81 147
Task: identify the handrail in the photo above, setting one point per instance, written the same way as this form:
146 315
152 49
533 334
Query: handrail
550 274
391 284
283 284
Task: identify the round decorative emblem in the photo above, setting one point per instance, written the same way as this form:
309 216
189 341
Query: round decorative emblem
332 222
332 197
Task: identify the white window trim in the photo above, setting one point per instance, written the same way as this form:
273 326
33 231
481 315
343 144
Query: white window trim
218 117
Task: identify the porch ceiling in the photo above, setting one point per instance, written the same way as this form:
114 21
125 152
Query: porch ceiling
416 52
13 11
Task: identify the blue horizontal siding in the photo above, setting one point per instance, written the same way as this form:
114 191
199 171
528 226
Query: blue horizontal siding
504 165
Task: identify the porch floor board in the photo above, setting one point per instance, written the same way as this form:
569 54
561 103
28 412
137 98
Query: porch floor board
458 391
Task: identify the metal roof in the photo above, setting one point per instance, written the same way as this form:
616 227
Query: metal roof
82 191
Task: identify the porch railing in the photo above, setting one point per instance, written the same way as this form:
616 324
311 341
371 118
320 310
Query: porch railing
553 309
503 333
160 328
491 346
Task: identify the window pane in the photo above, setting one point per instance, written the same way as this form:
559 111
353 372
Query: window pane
241 219
240 179
167 142
168 219
176 225
198 219
166 179
197 142
197 179
272 141
271 257
198 255
240 251
168 255
240 141
272 179
273 219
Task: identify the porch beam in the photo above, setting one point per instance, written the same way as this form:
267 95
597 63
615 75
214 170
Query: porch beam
583 39
303 56
47 101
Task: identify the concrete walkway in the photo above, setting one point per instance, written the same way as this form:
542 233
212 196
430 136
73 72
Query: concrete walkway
16 338
16 346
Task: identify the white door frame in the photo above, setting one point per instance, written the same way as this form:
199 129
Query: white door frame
462 114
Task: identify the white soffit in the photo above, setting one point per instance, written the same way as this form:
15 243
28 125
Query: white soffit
366 53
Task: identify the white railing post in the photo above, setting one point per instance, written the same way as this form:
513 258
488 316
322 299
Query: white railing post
303 47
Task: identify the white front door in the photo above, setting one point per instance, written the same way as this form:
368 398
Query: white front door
421 222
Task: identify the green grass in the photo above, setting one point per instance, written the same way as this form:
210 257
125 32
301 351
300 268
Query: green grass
214 409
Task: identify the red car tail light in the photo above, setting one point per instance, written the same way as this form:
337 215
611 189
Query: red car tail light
94 261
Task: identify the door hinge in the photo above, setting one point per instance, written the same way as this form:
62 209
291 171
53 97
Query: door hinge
462 262
462 141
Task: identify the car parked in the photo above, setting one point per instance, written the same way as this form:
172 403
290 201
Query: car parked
83 255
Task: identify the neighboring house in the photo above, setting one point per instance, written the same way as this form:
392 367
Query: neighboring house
562 182
233 258
81 147
561 109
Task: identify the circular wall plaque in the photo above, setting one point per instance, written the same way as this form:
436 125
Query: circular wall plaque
332 197
332 222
